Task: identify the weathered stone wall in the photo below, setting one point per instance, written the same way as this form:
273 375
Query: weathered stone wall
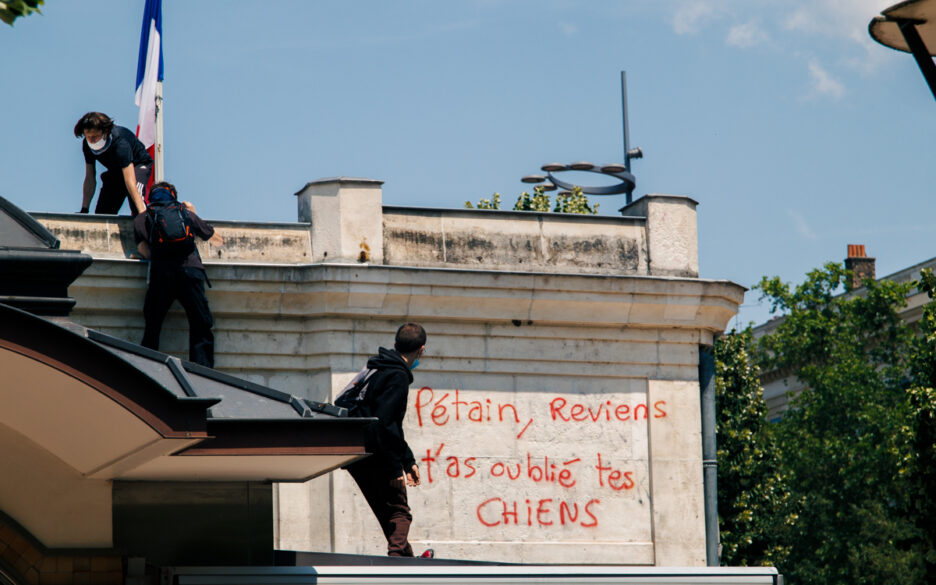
111 237
523 241
556 412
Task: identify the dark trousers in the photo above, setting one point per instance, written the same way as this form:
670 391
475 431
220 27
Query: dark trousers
114 190
387 499
187 285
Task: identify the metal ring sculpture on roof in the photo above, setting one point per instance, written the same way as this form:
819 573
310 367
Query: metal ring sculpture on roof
626 184
621 172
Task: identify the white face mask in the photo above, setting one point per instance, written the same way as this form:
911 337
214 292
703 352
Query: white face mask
97 145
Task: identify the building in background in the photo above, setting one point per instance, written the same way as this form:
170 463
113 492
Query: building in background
779 387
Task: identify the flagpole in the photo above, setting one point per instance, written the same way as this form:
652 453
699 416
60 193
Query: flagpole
158 168
149 90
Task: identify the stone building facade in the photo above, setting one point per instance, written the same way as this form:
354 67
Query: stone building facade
556 413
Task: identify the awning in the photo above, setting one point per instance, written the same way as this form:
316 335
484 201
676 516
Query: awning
114 410
910 27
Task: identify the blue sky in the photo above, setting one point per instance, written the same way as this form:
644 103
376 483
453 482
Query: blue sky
795 131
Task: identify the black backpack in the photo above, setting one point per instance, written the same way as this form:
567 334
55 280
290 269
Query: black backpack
354 395
170 230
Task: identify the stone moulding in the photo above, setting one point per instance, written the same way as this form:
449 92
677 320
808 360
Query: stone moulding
431 293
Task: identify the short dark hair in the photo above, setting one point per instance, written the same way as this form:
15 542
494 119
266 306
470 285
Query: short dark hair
409 337
167 186
94 121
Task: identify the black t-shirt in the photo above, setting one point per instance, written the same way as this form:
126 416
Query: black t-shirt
125 149
202 229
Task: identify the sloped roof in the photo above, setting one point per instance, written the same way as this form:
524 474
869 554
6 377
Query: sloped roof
111 409
18 229
34 273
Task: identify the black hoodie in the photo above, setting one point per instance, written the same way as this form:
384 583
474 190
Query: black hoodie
386 396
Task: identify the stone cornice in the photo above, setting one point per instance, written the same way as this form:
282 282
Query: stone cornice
351 290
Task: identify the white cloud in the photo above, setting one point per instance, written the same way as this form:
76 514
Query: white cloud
690 16
833 31
746 35
843 20
800 225
799 20
823 84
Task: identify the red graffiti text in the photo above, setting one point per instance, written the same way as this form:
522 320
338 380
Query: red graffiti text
545 512
614 478
561 409
442 409
455 467
547 472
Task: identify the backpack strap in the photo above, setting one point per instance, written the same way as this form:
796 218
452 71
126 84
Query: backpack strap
351 393
150 225
363 385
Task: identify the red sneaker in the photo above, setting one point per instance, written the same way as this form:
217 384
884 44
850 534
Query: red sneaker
428 554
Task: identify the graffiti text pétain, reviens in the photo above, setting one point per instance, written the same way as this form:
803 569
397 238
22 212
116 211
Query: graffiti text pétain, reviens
510 478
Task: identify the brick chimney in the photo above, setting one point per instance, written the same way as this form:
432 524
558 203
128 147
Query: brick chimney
861 266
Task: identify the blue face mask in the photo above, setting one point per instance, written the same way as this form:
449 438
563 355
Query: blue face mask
415 364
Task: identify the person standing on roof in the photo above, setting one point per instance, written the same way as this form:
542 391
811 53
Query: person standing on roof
175 270
128 165
384 475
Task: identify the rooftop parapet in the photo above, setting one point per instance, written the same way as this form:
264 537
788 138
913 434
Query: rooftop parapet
343 220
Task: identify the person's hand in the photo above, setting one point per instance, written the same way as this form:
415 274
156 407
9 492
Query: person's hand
412 476
189 207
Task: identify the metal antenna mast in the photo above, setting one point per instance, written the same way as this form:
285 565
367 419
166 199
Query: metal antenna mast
622 173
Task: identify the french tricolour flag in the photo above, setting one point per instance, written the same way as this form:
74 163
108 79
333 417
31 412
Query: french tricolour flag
149 71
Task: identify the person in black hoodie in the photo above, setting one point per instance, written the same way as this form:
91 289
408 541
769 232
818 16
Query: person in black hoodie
384 475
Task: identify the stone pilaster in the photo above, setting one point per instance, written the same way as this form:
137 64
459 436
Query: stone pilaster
672 233
347 219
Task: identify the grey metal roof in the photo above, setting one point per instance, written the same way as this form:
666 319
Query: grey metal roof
18 229
239 398
34 273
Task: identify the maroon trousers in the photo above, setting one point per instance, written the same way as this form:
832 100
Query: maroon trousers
387 498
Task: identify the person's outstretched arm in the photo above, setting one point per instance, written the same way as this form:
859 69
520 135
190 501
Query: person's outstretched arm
87 188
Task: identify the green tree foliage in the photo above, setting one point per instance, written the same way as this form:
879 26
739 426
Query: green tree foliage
575 202
10 10
539 201
752 496
847 444
922 397
492 203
